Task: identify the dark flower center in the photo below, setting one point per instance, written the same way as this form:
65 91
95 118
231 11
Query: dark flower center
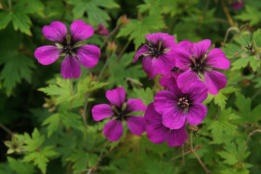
175 69
198 66
155 51
68 48
183 103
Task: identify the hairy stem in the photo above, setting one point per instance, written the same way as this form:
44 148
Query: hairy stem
107 38
230 21
6 129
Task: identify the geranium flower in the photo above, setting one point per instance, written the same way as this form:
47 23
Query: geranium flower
158 133
158 57
174 73
176 106
101 30
114 128
192 59
88 55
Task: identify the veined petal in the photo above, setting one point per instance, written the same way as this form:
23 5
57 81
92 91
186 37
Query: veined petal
200 48
196 114
113 130
137 125
214 81
185 45
186 78
101 111
157 133
88 55
134 105
173 87
47 54
56 32
183 58
143 50
70 67
80 31
116 96
167 41
174 118
164 100
197 92
164 79
217 59
152 116
177 137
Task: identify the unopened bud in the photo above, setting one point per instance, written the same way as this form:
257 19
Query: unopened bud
102 30
198 147
111 48
234 30
123 20
135 83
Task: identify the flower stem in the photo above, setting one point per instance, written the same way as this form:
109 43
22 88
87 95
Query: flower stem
107 38
124 48
99 159
6 129
71 89
10 5
249 135
230 21
104 67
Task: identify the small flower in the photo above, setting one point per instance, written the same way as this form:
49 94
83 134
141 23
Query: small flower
102 30
114 128
158 57
88 55
195 63
238 5
176 106
158 133
14 145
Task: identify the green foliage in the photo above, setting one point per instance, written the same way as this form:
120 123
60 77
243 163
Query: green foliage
20 167
252 15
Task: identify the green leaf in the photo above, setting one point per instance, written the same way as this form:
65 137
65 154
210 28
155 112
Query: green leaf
145 95
256 37
252 15
155 167
137 29
5 18
17 66
231 49
70 119
20 167
22 22
53 122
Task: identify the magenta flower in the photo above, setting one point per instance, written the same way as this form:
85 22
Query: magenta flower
176 106
102 30
158 57
158 133
238 5
114 128
195 63
173 73
88 55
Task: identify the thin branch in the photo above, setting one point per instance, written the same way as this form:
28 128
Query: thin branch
230 21
6 129
107 38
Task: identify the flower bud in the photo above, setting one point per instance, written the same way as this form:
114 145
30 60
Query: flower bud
111 48
14 145
123 20
102 30
135 83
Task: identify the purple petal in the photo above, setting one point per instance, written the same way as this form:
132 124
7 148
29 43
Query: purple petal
137 125
151 116
196 114
186 78
165 39
174 118
197 92
164 79
183 59
116 96
56 32
217 59
177 137
80 31
200 48
134 105
238 5
88 55
214 81
113 130
173 87
70 67
101 111
186 45
157 133
164 100
102 30
47 54
144 49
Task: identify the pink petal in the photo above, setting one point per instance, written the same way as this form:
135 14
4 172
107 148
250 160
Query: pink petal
164 100
200 48
144 49
113 130
196 114
197 92
88 55
80 31
157 133
47 54
151 116
174 118
102 30
167 40
217 59
186 45
177 137
173 87
186 78
238 5
137 125
70 67
116 96
183 59
101 111
214 81
134 105
56 32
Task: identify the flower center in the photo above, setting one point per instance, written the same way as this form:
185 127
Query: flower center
183 102
198 66
67 48
121 115
154 51
175 69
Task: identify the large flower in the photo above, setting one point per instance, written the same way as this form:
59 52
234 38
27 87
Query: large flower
88 55
176 106
158 57
192 59
114 128
158 133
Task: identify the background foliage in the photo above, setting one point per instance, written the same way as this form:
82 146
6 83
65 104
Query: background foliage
48 127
